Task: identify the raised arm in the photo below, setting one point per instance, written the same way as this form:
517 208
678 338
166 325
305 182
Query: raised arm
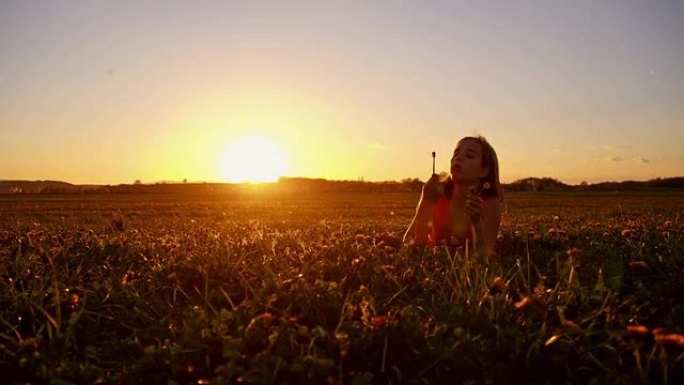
421 225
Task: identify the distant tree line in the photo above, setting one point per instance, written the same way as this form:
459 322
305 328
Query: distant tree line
295 185
550 184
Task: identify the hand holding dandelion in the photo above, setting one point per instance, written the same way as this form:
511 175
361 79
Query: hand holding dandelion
433 189
474 203
485 186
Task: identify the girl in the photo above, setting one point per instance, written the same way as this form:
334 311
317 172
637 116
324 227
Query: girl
467 206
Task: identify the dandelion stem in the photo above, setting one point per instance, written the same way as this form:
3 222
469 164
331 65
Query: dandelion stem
433 161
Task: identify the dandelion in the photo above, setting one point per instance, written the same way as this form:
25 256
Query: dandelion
434 155
485 186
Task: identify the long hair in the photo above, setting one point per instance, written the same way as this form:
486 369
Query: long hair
491 180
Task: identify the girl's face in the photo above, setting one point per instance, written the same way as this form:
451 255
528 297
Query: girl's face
466 163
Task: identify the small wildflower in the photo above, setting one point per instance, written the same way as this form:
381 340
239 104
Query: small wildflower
387 268
556 231
571 325
523 303
552 340
637 330
498 285
638 265
358 261
379 321
263 319
344 343
28 344
670 339
73 301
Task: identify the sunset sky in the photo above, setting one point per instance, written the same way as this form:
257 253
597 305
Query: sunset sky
107 92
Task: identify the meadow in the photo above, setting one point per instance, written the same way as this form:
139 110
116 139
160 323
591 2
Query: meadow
263 288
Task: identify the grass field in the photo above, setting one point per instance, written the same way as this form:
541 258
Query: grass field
260 288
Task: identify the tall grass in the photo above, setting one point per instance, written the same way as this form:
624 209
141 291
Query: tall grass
208 292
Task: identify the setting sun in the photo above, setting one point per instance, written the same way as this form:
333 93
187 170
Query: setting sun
253 160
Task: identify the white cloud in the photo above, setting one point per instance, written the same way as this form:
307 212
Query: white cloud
641 159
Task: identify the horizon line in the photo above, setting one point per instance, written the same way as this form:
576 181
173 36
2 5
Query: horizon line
359 180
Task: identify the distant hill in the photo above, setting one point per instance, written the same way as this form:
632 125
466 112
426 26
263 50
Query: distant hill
35 187
294 185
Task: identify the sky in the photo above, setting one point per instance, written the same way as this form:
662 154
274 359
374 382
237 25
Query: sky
107 92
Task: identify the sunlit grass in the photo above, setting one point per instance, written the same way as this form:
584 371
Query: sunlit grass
319 289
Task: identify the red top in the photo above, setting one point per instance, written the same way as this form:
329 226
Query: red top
442 228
